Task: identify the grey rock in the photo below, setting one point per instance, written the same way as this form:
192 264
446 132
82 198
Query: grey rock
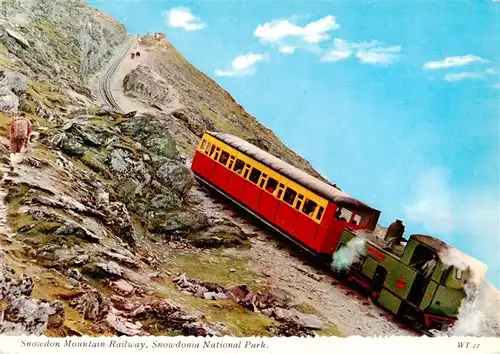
103 270
35 316
122 325
26 286
301 319
209 296
23 315
220 296
71 228
13 81
9 102
74 274
152 133
176 176
73 147
144 82
81 259
120 161
122 287
18 37
90 305
165 202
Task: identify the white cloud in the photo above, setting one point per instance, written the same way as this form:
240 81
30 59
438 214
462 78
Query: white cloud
281 31
336 55
450 62
491 71
462 76
496 85
181 17
287 50
317 31
475 213
242 65
379 55
372 52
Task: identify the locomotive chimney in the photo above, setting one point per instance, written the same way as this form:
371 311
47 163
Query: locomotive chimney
395 230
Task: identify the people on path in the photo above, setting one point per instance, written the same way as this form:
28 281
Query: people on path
20 131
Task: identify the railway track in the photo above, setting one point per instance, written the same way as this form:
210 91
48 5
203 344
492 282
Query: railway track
106 80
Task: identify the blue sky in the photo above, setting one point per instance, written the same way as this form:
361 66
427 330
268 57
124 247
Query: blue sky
396 102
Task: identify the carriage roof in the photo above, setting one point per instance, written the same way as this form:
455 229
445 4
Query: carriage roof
323 189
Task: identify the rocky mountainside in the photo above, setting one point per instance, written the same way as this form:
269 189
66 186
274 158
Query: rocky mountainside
103 229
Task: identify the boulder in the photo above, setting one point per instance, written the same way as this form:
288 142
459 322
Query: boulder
72 228
122 325
152 133
91 305
122 287
13 81
9 103
301 319
103 270
218 236
176 176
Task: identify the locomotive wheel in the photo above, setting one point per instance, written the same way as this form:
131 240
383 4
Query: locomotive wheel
374 294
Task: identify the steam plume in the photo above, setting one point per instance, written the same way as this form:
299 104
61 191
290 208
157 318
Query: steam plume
348 254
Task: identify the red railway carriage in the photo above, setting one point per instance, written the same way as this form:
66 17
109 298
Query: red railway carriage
308 211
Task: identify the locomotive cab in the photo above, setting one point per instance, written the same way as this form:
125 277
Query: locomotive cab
439 293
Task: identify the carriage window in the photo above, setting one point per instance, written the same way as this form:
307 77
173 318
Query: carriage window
212 149
320 213
238 166
458 274
262 180
271 185
216 156
309 207
343 214
280 190
356 220
231 162
247 168
299 201
203 145
224 157
289 196
255 175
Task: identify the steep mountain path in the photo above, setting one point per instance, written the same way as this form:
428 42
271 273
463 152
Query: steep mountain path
105 83
5 230
108 82
101 82
4 225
